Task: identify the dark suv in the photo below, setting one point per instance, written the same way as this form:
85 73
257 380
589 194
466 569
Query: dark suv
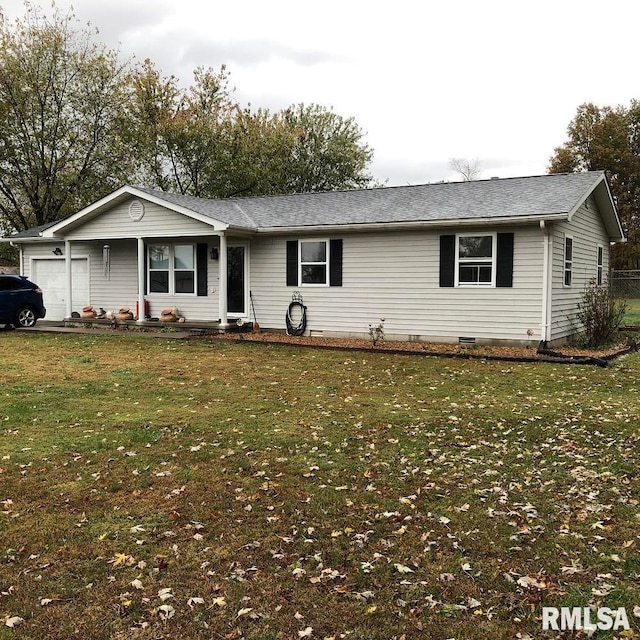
20 301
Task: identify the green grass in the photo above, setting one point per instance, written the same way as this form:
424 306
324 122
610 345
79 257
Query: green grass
362 495
632 315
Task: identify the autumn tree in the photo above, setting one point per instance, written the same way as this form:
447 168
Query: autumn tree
606 138
328 152
62 100
200 142
181 134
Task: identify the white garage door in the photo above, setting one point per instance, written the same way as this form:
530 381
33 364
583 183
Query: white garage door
50 275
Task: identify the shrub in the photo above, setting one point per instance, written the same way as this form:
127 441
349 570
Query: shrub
376 334
600 314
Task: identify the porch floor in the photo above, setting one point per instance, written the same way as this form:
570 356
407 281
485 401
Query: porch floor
189 326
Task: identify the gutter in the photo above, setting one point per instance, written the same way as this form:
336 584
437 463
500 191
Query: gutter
409 225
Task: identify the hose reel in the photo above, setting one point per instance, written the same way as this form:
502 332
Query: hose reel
296 308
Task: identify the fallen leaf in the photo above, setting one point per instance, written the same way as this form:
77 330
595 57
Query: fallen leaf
165 594
166 611
13 621
401 568
194 601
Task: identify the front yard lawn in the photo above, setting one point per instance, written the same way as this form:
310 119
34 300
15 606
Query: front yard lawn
154 488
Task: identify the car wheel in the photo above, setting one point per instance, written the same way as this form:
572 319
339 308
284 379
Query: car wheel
26 317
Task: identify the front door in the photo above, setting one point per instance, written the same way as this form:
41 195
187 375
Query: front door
237 280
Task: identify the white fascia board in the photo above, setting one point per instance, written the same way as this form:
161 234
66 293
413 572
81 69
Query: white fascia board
126 191
606 204
424 224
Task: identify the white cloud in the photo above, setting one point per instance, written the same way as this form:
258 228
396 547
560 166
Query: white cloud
495 80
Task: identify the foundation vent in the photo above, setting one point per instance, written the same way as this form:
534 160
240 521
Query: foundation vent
464 340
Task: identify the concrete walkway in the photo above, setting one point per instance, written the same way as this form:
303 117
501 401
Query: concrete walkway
48 326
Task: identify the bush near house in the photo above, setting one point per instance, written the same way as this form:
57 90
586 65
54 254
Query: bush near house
601 314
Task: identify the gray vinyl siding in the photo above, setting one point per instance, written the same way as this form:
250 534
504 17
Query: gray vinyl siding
157 222
588 232
395 276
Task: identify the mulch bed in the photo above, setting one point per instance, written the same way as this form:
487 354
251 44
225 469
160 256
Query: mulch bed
565 354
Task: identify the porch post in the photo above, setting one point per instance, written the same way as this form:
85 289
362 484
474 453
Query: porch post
69 278
222 289
141 271
547 279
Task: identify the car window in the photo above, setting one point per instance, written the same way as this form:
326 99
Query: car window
9 284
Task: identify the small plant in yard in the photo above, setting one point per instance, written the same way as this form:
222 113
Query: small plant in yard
600 314
376 334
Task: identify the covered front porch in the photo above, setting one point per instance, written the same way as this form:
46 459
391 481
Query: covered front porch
205 278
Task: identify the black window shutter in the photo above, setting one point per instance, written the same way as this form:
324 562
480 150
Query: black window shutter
202 255
447 260
292 263
335 262
504 260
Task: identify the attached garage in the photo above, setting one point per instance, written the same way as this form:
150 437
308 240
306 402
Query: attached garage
49 275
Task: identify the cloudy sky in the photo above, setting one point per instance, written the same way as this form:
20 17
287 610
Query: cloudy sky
493 80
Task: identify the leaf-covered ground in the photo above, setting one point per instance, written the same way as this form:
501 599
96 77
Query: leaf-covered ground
153 488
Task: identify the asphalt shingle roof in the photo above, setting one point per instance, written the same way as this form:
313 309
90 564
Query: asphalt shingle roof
481 199
545 195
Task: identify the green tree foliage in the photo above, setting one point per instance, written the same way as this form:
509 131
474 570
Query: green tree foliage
61 114
180 134
604 138
200 142
76 123
328 151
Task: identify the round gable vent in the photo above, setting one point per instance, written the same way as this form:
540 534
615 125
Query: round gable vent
136 210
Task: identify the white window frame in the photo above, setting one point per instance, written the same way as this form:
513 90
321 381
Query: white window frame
567 264
599 264
324 263
172 269
489 261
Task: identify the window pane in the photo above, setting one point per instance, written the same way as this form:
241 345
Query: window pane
568 249
567 277
159 281
183 256
600 256
484 274
184 282
467 274
313 252
158 257
476 246
314 274
474 274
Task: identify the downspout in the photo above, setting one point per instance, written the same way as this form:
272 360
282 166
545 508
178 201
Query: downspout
67 268
547 269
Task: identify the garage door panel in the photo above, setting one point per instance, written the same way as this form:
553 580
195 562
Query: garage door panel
50 275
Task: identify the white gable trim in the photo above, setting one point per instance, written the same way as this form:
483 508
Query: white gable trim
118 196
602 194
